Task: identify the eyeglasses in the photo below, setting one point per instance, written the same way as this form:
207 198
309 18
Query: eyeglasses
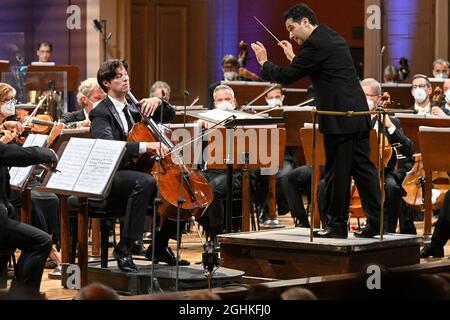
422 86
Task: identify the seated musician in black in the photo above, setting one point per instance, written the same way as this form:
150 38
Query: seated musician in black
89 94
395 207
111 120
441 232
35 244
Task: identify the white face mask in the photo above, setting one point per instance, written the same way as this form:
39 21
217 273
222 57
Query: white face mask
230 75
419 95
8 109
274 102
225 105
447 96
370 104
441 76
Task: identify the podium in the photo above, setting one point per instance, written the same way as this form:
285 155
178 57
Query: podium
306 135
435 148
238 151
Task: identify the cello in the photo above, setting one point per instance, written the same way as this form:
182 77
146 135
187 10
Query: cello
178 185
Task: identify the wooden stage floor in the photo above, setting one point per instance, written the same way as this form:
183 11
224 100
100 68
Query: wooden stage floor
191 250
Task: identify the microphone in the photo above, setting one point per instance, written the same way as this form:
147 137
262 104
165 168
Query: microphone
98 25
186 93
382 49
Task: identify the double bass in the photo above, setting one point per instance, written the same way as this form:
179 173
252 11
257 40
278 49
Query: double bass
176 180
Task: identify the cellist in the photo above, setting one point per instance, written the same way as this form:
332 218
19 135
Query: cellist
131 189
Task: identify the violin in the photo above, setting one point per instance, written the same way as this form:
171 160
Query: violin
176 181
242 61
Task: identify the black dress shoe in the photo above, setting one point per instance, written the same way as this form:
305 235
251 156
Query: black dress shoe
431 250
340 233
166 255
366 232
137 247
124 261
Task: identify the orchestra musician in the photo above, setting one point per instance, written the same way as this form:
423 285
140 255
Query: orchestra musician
394 205
421 91
213 219
440 69
111 120
160 89
325 57
89 94
44 51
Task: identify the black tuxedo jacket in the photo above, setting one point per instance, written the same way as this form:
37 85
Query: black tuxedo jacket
69 117
15 155
106 124
325 58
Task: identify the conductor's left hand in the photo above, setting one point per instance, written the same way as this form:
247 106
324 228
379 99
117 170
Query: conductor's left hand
260 52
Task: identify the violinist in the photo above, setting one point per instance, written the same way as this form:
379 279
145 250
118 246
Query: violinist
89 94
421 91
131 188
45 206
9 127
445 109
394 205
440 69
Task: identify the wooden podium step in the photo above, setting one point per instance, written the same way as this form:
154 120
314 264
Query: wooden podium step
289 254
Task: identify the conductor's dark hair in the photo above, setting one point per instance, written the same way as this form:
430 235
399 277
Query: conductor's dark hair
300 11
107 71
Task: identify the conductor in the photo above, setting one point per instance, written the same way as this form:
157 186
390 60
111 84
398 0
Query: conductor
324 57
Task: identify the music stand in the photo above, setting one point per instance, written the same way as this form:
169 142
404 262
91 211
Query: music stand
237 118
435 148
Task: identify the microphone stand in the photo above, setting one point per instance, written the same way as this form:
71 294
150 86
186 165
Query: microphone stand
380 55
156 202
379 111
181 200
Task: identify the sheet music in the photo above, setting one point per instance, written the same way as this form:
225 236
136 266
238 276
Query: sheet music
218 115
99 167
86 165
19 175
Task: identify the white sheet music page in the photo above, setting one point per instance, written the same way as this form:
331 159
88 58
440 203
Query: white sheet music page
218 115
19 175
99 166
71 163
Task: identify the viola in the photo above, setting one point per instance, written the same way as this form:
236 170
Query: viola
176 180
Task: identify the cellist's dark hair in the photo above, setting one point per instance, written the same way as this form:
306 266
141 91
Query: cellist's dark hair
107 71
300 11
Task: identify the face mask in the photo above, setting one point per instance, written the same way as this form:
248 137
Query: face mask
274 102
370 104
8 109
230 76
225 105
441 76
419 95
447 96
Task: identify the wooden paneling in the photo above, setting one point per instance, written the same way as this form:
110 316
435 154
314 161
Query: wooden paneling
171 45
168 43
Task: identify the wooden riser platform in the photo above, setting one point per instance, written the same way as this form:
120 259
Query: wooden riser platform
289 254
189 278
